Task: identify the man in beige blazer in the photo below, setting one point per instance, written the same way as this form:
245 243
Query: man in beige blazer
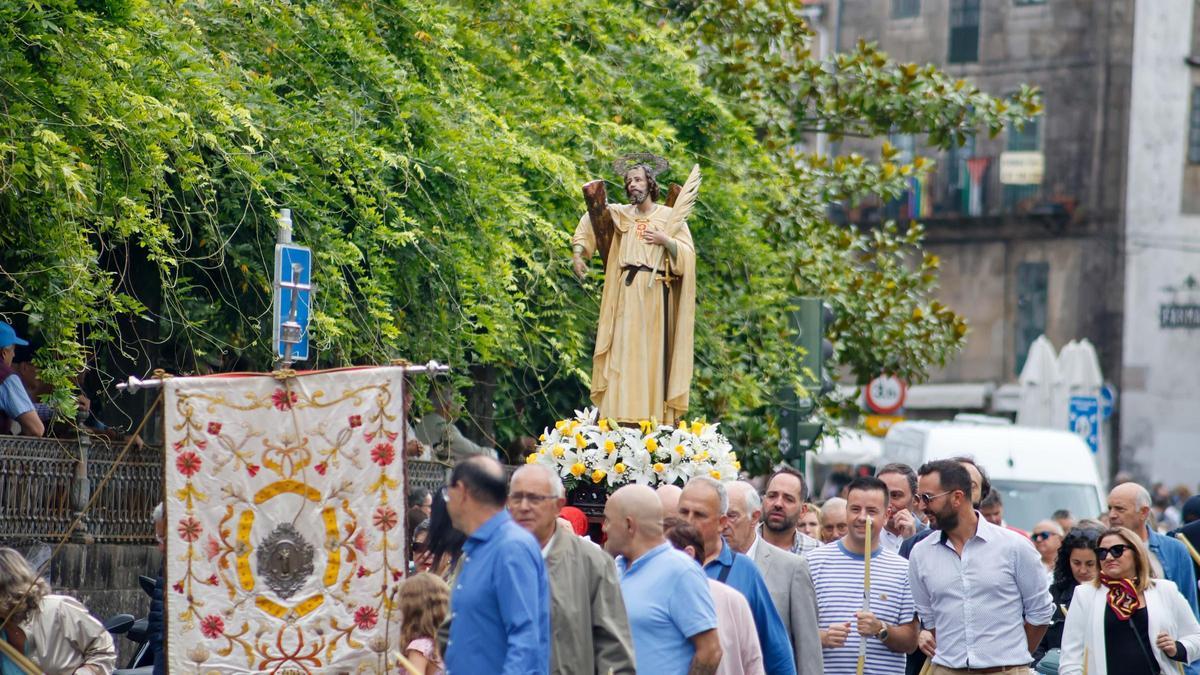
786 574
589 627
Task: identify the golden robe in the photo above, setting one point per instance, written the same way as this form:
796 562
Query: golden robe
642 365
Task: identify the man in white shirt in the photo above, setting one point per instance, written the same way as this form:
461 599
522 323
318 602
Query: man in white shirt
901 523
980 589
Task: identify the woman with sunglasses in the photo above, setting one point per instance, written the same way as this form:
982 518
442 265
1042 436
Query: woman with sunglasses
1124 622
1075 564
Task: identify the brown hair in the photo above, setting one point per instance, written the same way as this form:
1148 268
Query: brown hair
1141 556
424 603
682 534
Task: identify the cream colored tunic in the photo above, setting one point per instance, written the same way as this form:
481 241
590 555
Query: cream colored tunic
642 364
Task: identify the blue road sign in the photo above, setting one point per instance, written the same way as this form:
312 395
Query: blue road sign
1108 398
293 299
1083 417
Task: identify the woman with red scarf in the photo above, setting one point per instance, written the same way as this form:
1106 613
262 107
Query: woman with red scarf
1124 622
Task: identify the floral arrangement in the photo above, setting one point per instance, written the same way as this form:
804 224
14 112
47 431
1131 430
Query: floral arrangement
588 451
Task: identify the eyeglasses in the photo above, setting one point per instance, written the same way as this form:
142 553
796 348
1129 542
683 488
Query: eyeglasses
1117 550
926 497
1041 536
519 497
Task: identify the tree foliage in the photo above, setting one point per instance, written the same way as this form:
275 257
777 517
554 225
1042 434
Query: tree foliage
431 152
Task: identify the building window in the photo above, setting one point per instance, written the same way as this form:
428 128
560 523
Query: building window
1026 139
964 31
906 9
1033 287
1194 128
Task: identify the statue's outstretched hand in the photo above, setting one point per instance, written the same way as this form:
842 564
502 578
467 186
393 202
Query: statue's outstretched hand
580 266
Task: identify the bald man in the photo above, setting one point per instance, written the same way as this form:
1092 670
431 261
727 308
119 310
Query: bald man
1129 506
668 496
673 632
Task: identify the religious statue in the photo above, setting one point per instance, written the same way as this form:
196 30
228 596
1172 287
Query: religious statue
642 364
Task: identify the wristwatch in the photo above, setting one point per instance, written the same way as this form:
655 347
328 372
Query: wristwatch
883 633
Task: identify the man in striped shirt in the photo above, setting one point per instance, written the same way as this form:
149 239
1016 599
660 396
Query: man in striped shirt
838 571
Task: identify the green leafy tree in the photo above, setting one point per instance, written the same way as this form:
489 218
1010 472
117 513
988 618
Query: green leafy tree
432 154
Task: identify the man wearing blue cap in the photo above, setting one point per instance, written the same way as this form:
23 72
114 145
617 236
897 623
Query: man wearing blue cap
14 401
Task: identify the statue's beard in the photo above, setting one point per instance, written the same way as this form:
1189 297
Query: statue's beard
636 196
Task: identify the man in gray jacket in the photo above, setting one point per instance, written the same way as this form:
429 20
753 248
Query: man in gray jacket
786 574
588 623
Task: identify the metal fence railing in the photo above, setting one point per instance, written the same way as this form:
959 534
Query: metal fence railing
45 482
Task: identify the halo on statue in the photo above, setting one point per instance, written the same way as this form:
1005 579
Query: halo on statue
653 163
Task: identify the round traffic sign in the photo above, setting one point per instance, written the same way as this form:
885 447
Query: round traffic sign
885 394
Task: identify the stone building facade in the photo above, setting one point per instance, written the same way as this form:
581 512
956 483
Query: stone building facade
1024 252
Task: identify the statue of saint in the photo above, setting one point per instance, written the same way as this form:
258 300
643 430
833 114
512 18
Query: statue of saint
642 365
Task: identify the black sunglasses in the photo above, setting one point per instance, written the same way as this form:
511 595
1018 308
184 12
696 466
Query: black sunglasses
1117 550
1041 536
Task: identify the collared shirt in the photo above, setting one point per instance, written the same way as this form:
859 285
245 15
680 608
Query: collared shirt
500 605
980 602
754 546
1176 565
838 575
801 543
668 601
740 653
892 542
744 576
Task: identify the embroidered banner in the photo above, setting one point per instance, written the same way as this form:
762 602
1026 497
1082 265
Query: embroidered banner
284 513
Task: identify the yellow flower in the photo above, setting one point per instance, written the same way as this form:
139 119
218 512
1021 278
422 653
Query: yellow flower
697 427
715 474
577 469
579 442
558 451
659 468
603 425
683 425
679 450
651 444
542 438
610 447
560 425
702 456
598 476
531 458
737 466
644 425
619 468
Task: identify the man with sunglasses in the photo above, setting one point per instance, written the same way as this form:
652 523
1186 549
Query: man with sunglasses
590 624
979 589
1047 537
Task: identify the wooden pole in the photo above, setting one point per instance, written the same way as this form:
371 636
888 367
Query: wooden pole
866 606
596 199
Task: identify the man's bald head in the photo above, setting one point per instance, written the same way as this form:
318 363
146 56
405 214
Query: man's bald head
668 496
1129 506
639 503
633 521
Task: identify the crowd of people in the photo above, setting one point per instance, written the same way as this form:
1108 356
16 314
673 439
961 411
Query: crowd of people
733 577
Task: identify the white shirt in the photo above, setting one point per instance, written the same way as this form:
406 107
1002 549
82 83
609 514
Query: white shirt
753 547
980 602
890 541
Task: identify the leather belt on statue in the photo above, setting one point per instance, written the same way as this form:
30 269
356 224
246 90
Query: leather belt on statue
632 270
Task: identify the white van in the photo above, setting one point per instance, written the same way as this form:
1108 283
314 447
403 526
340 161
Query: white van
1037 471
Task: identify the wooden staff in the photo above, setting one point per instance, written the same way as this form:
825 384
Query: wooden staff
866 604
1191 549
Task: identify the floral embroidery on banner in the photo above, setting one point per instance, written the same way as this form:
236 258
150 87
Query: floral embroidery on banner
241 470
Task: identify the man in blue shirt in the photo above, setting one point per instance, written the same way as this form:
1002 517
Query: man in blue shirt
1129 506
500 603
703 503
671 611
15 405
